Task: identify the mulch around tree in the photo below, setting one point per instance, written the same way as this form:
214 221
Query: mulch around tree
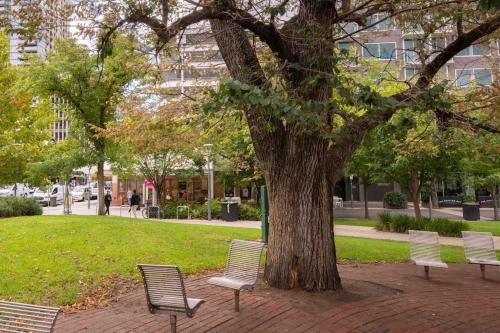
375 298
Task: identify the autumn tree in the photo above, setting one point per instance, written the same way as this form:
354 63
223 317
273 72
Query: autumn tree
156 143
91 86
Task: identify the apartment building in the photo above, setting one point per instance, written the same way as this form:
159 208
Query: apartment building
54 27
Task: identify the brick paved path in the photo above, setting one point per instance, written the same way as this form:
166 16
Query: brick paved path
396 299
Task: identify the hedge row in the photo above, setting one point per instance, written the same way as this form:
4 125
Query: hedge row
200 211
15 206
402 223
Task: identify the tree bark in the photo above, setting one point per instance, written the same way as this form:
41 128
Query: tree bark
495 203
100 187
434 194
301 251
414 189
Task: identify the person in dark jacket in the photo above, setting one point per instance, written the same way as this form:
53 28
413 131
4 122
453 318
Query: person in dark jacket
135 201
107 201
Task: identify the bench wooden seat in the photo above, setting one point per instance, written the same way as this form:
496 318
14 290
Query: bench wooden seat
479 249
242 269
425 250
165 292
27 318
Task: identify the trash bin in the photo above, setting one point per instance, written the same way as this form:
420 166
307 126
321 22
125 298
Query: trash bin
153 212
470 211
53 201
230 211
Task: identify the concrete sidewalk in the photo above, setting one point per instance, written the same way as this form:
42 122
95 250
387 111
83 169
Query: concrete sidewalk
340 230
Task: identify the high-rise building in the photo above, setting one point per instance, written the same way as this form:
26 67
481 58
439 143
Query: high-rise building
54 27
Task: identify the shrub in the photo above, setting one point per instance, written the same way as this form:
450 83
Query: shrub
402 223
15 206
395 200
250 212
384 221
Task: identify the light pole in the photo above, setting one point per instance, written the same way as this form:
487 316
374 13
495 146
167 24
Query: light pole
351 177
208 151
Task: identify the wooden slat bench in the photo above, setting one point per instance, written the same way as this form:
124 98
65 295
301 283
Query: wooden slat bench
479 249
165 292
242 269
425 250
26 318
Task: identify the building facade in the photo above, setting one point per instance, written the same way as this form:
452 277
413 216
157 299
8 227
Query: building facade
54 27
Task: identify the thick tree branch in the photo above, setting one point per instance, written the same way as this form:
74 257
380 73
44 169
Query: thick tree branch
462 42
355 132
266 32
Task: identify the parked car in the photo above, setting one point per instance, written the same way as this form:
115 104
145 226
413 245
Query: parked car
43 198
78 193
11 190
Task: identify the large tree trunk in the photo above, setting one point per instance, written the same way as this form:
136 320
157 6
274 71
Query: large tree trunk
301 250
100 186
495 203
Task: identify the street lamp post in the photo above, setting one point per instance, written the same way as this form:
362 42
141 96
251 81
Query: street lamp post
351 177
208 151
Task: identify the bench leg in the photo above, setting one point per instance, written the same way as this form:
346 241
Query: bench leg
426 268
237 300
483 271
173 323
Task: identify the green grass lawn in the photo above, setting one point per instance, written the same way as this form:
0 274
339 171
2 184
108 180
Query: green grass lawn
489 226
360 223
61 260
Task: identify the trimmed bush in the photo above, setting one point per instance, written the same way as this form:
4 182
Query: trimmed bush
15 206
402 223
200 211
395 200
250 212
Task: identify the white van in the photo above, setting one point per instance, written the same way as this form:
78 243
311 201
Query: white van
56 191
11 190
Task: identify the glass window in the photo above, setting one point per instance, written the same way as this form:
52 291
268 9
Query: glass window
483 76
411 56
411 72
478 76
475 50
345 45
349 27
386 24
385 51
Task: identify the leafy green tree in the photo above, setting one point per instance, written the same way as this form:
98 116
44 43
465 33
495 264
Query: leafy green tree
91 87
367 162
233 149
24 122
60 161
483 164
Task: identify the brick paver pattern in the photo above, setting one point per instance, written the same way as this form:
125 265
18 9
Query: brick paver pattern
454 300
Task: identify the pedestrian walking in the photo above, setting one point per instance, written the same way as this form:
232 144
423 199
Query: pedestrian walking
129 199
107 201
135 201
